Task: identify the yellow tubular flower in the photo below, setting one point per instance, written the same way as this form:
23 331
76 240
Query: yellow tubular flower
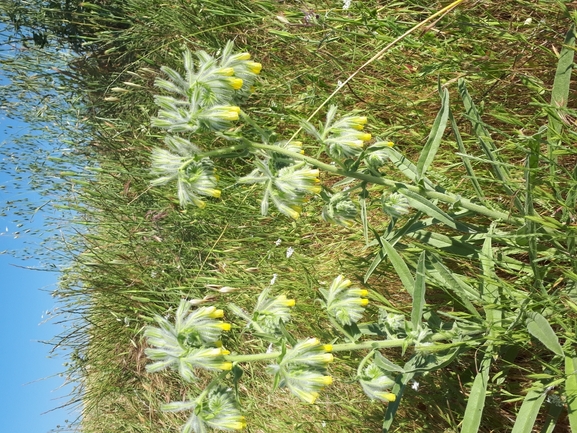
365 137
241 56
358 292
235 83
227 72
226 366
328 347
387 396
216 314
225 326
254 67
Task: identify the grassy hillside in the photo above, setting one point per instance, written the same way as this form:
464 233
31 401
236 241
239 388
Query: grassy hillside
138 252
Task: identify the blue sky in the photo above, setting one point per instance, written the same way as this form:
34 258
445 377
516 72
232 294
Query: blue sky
29 380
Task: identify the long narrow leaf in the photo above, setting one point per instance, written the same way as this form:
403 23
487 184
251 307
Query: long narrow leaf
433 142
466 162
419 294
571 390
400 266
529 411
421 203
490 290
476 402
487 144
539 327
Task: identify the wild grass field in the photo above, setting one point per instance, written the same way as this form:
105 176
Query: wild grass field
486 250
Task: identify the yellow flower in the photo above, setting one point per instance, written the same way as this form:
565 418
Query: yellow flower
235 83
227 72
254 67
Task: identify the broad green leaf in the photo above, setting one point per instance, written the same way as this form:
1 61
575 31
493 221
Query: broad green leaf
436 135
477 396
539 327
419 294
529 410
424 205
400 267
571 390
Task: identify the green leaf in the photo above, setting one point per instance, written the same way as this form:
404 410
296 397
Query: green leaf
400 266
386 365
571 390
487 144
529 411
419 294
452 281
489 289
436 135
405 166
476 402
552 417
539 327
424 205
466 162
562 83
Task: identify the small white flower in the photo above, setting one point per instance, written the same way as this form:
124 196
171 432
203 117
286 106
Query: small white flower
528 21
273 280
340 84
289 252
278 242
346 4
415 385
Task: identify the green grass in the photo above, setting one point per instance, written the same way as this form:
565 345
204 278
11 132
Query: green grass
136 253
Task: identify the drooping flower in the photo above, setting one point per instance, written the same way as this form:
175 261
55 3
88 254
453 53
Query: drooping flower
219 411
395 204
191 342
344 303
303 369
376 384
340 209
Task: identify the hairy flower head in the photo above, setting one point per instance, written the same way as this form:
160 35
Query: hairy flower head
343 303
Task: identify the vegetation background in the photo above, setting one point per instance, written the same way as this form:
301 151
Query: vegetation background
85 71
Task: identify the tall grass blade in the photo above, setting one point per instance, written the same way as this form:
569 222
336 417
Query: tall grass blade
487 144
419 294
561 84
489 289
433 142
477 397
466 162
571 390
452 281
529 411
539 327
555 411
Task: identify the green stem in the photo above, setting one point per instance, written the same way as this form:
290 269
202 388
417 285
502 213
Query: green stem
371 344
445 197
399 186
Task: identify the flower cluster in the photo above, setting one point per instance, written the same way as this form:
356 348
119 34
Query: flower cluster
377 154
191 342
395 204
377 384
205 98
219 411
194 178
205 95
286 183
344 303
302 369
270 312
343 138
340 209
